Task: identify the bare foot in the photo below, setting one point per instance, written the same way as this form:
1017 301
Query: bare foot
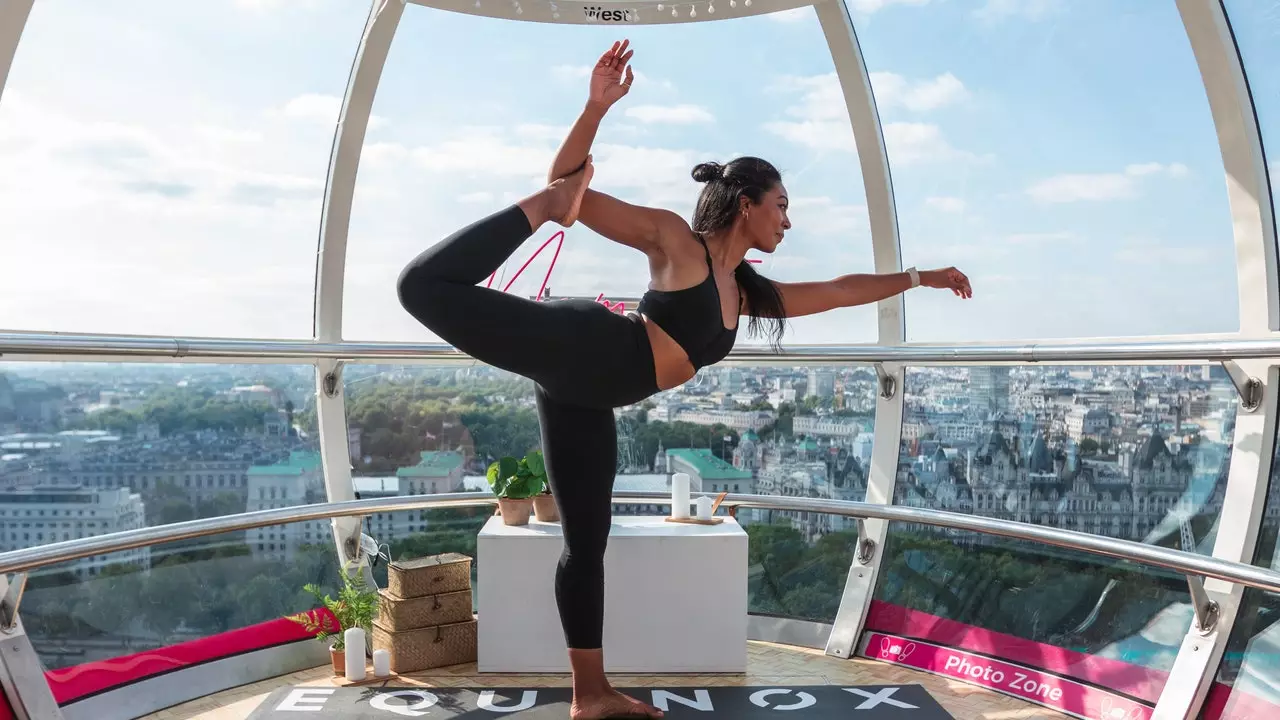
566 194
612 704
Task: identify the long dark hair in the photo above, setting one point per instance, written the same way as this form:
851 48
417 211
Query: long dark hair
716 210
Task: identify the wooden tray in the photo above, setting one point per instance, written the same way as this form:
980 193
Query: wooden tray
696 521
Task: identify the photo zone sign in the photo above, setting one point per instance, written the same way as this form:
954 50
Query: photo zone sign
820 702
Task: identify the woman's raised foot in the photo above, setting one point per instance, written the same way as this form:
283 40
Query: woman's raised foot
565 194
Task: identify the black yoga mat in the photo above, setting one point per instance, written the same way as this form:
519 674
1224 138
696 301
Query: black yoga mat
818 702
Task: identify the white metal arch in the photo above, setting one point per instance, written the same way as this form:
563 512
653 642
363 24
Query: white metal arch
1253 223
335 221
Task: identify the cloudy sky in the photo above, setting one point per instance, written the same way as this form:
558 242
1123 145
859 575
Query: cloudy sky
162 163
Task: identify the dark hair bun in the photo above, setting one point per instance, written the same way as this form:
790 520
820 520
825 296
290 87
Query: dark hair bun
708 171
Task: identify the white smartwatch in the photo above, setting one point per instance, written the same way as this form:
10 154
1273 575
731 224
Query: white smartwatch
915 276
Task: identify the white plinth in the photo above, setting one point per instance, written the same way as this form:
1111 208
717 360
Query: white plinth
675 597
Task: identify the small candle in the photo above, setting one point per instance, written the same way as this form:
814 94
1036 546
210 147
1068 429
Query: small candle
354 639
680 495
381 663
704 508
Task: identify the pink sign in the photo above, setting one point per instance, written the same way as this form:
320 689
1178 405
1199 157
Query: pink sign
1041 688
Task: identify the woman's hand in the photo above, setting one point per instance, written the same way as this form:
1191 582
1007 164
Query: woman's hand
607 83
947 278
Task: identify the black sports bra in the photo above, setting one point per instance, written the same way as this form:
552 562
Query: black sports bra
693 318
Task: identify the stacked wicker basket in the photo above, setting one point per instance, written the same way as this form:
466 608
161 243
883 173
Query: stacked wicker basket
424 614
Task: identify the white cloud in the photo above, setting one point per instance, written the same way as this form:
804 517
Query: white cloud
571 73
482 197
996 10
915 143
484 152
823 120
670 114
868 7
1039 238
895 91
318 108
380 154
1075 187
1147 250
161 229
822 216
946 204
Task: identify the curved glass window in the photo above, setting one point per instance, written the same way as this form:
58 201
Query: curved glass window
1137 453
794 432
1062 154
479 140
1256 28
162 165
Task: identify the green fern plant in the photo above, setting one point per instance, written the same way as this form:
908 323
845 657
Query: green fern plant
355 606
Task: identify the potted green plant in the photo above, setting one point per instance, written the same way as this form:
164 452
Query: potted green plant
355 606
516 485
544 505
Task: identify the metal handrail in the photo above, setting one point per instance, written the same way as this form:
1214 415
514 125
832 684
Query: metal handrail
132 346
1183 562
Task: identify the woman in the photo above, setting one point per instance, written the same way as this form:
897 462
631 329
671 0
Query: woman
586 360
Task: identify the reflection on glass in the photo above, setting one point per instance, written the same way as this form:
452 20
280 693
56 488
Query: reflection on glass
1057 152
479 141
1126 452
774 431
189 592
1250 670
90 449
1256 29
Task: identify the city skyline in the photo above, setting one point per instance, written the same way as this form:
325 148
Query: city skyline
1058 166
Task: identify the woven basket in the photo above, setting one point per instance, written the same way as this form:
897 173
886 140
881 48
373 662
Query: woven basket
432 575
429 647
397 613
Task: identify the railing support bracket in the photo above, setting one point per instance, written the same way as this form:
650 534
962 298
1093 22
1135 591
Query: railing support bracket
888 384
10 601
333 379
1206 609
866 549
1249 387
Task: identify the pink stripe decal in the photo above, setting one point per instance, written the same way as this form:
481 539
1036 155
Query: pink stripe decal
1021 682
1134 680
547 278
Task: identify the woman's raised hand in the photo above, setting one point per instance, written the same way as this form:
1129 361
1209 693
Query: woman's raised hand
607 82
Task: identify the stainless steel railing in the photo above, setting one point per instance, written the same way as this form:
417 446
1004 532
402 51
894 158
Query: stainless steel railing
1182 562
125 347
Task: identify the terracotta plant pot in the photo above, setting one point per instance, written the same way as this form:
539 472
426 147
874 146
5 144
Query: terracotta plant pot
339 659
544 508
515 512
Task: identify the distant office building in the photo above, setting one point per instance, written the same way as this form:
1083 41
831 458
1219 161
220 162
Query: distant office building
989 388
46 514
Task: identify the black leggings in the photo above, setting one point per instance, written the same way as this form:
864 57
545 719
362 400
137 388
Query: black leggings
584 359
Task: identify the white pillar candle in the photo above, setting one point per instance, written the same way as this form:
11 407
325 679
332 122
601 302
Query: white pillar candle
381 663
354 640
680 495
704 508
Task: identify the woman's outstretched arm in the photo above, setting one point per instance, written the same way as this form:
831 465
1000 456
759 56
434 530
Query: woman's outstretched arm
810 298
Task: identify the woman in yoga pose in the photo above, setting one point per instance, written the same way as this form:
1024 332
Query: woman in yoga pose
586 360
